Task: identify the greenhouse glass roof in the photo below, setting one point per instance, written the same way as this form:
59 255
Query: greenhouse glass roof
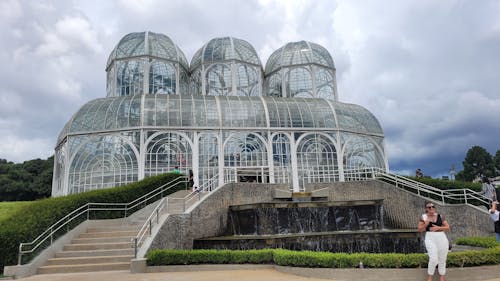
147 44
299 53
224 49
219 112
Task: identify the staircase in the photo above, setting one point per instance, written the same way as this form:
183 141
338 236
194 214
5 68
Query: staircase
105 246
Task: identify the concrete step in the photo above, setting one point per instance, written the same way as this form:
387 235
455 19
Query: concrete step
109 234
102 240
88 260
97 246
94 253
49 269
113 228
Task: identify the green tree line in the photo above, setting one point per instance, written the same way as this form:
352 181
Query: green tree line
26 181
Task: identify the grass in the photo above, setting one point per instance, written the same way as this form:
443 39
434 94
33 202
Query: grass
9 208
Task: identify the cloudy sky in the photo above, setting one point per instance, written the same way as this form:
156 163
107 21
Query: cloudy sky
428 70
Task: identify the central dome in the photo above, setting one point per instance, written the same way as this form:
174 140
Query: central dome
226 66
224 49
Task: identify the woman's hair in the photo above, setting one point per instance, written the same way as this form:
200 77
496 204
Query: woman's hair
426 203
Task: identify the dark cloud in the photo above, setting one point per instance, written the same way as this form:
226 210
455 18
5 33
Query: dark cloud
427 70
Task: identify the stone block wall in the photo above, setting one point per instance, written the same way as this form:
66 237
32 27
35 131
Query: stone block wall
401 210
209 217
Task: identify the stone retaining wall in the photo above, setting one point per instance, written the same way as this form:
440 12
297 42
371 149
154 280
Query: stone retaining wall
401 210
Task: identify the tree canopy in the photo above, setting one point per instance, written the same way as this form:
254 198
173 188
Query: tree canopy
478 162
26 181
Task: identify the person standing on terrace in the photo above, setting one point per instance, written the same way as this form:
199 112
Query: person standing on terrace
436 242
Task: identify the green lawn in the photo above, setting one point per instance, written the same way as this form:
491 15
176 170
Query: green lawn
8 208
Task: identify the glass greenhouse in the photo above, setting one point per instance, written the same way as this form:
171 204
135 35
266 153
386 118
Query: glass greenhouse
223 117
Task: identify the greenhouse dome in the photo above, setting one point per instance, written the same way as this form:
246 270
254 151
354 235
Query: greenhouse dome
146 62
226 66
301 69
226 132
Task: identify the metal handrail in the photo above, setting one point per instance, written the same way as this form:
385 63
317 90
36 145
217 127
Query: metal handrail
87 208
148 225
445 196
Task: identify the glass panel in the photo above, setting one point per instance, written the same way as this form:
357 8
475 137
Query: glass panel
167 151
244 150
316 160
219 80
129 77
102 162
162 78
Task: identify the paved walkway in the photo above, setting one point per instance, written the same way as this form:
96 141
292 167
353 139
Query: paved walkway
276 273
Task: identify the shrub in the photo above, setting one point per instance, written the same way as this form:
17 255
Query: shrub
318 259
33 219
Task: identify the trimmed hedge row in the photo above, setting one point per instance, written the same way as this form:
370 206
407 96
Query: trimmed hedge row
318 259
485 242
33 219
447 184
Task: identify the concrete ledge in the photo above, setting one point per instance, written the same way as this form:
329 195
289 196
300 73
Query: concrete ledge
138 266
207 267
479 273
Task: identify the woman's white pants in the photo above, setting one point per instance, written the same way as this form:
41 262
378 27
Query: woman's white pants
436 244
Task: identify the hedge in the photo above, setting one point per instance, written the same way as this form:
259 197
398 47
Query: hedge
33 219
319 259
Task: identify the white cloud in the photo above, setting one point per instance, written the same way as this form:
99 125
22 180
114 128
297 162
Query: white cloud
69 34
427 70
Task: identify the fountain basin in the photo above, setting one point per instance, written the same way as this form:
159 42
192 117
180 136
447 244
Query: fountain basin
371 241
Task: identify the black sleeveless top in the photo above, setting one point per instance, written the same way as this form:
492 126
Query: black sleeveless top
439 222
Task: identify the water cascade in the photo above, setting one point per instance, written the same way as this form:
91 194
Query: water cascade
347 226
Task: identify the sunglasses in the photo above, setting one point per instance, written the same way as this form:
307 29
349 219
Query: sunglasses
430 207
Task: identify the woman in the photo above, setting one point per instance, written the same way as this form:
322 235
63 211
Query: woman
436 242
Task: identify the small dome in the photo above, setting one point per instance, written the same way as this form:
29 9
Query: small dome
147 44
297 53
224 49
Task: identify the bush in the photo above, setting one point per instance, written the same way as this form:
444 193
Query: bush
485 242
318 259
33 219
447 184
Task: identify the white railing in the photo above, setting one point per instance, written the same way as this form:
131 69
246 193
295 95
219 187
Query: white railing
448 196
51 232
147 227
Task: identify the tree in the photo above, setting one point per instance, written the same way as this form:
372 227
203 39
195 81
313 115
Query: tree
30 180
477 162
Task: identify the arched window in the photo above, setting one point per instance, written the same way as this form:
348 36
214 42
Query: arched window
104 161
317 159
245 150
167 151
208 158
282 158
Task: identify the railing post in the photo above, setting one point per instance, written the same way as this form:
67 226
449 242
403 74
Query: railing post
465 196
19 259
135 247
150 227
157 216
442 196
51 235
88 211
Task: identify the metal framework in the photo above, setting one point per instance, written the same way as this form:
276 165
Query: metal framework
231 123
